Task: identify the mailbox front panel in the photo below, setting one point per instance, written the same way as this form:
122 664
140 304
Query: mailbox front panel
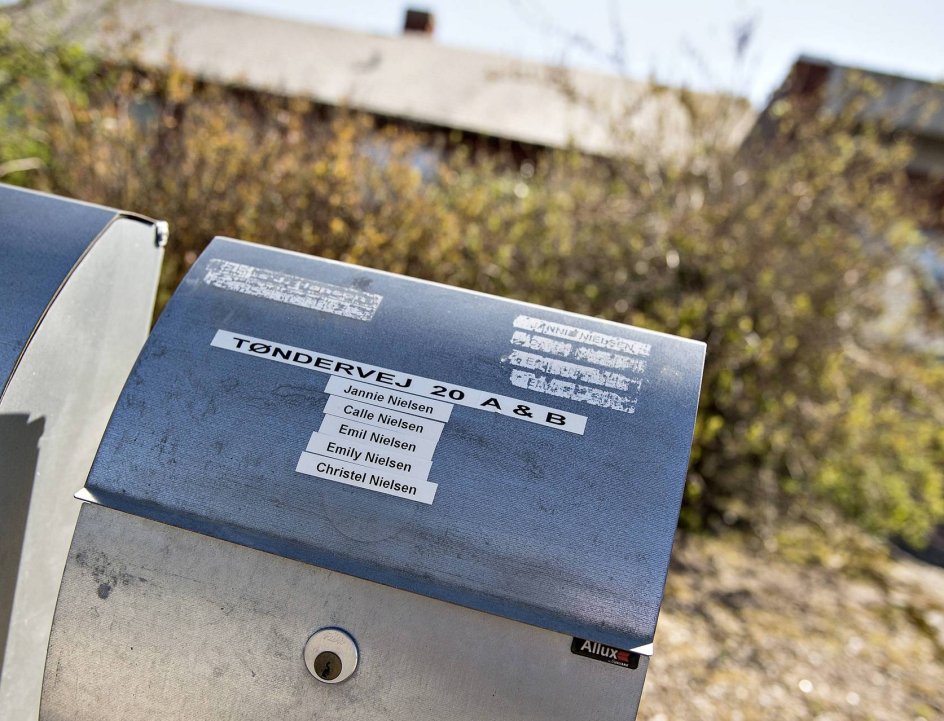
155 622
508 458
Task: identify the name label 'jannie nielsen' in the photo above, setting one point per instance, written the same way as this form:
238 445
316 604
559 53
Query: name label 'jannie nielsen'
387 398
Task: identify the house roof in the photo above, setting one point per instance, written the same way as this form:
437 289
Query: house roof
901 103
909 104
412 77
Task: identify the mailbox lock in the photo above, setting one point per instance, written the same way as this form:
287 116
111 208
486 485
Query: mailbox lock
331 655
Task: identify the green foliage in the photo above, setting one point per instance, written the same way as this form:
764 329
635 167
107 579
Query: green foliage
767 254
884 465
28 71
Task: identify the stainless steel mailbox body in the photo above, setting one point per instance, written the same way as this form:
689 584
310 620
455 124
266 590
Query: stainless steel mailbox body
77 285
464 484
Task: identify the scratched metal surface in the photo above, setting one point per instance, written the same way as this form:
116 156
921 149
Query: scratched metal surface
155 622
566 532
41 239
77 286
66 384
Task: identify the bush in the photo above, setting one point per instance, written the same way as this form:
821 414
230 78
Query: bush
773 255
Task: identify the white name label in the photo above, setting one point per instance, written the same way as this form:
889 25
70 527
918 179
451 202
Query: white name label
402 441
361 477
395 401
401 466
382 418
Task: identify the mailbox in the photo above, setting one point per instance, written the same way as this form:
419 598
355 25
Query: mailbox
77 285
332 492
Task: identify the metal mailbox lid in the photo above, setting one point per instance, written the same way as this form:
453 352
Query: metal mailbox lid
42 237
545 452
77 286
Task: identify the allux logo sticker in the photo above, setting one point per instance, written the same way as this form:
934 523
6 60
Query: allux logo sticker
595 649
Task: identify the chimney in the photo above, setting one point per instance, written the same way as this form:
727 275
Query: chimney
418 22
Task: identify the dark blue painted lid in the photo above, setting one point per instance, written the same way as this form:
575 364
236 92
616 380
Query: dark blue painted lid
510 458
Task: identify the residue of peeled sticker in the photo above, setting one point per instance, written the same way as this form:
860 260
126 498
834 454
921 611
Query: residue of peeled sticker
291 289
585 366
580 335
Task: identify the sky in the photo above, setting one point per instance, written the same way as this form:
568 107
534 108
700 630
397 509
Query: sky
681 42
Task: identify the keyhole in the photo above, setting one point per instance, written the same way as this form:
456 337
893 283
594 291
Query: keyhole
327 665
330 655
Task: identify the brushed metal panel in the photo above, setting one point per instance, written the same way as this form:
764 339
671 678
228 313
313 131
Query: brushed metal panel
155 622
